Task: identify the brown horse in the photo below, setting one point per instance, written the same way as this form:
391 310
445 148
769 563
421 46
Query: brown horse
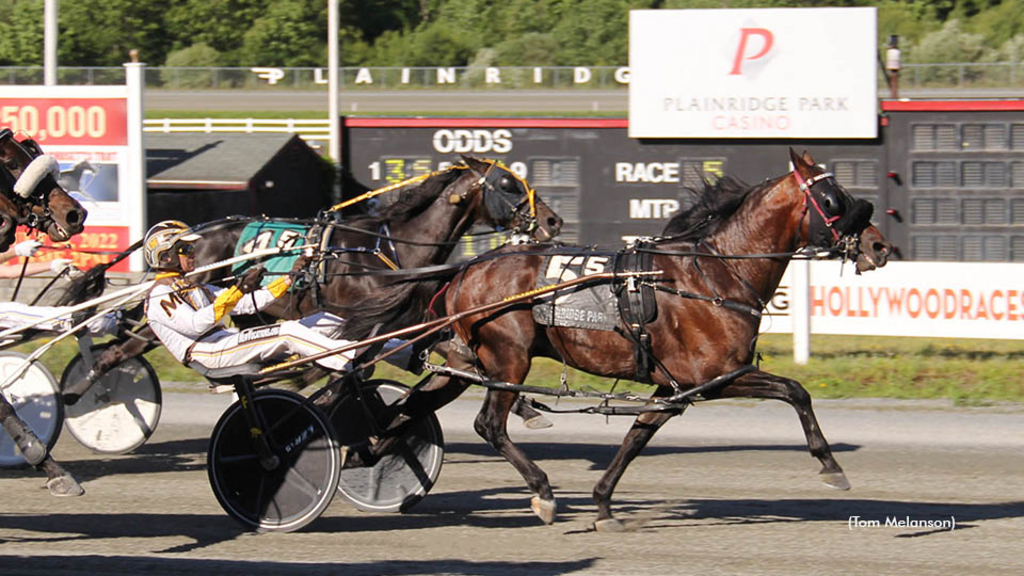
721 262
33 197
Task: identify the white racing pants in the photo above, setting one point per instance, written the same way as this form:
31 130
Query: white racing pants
17 314
262 344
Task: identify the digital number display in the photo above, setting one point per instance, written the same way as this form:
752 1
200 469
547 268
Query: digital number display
58 121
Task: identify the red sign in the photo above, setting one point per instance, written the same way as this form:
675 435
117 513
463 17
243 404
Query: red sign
59 121
95 245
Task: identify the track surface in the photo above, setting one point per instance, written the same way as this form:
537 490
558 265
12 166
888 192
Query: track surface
727 488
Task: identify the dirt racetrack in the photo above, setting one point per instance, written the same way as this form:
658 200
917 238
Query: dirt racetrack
727 488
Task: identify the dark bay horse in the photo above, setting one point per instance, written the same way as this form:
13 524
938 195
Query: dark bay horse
721 262
420 229
32 196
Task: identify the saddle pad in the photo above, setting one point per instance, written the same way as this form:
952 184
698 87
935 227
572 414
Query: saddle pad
592 307
263 235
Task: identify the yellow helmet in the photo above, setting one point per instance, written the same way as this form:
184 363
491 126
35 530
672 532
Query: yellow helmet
159 247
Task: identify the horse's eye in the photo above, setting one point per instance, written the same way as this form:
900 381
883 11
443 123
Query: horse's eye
506 184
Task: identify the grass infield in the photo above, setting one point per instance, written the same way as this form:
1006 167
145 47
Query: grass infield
967 372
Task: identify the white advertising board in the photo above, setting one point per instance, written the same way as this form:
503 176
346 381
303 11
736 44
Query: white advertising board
931 299
753 73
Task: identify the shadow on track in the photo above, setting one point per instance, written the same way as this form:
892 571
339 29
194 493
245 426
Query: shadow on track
139 565
599 455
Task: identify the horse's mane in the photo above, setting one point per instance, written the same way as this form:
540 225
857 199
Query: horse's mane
715 203
413 198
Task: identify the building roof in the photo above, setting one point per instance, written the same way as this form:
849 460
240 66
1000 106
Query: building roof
223 161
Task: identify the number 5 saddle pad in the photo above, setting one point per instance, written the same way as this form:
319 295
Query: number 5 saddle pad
597 306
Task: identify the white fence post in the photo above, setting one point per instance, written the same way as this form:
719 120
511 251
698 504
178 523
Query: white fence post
801 310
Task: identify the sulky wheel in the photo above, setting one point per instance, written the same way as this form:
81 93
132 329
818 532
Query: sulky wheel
401 478
35 400
119 412
289 490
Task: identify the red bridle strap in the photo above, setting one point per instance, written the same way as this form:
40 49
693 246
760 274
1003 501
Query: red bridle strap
805 186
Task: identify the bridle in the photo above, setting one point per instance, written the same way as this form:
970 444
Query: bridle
498 205
27 188
858 212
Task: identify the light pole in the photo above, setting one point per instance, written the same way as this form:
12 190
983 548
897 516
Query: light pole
50 43
332 93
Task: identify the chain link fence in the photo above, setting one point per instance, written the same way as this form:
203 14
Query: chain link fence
913 76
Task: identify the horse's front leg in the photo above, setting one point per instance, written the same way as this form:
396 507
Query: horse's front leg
759 384
639 435
59 482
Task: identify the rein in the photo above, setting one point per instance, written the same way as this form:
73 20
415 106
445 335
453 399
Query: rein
805 187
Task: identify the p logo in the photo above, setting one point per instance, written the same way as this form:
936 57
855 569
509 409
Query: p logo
765 39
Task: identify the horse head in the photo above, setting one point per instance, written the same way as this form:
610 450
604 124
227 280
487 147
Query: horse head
29 181
509 201
836 220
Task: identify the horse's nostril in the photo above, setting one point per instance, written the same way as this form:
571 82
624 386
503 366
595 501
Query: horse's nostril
73 218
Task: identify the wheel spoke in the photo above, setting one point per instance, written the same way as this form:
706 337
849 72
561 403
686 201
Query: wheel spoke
238 459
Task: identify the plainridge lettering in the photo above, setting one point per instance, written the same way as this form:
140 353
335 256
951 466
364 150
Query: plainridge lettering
727 104
856 522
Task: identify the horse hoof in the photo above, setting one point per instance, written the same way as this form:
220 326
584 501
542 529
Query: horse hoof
64 485
835 480
544 509
538 422
609 525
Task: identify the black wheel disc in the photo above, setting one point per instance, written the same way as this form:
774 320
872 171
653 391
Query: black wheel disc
401 478
299 488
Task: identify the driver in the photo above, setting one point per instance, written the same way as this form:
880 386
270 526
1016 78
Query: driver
187 316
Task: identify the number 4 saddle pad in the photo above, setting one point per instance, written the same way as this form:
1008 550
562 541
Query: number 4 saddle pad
597 306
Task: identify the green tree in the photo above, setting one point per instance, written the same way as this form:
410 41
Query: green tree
220 24
199 55
102 32
290 33
21 33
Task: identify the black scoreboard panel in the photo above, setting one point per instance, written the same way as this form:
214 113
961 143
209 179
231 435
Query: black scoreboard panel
962 182
607 187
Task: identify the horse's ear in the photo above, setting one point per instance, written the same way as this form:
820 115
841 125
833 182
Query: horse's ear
808 159
475 164
795 158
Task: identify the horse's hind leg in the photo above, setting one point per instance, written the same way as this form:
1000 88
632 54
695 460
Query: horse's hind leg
59 482
764 385
491 425
639 435
110 357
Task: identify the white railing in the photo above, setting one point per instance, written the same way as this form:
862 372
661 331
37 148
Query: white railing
306 129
